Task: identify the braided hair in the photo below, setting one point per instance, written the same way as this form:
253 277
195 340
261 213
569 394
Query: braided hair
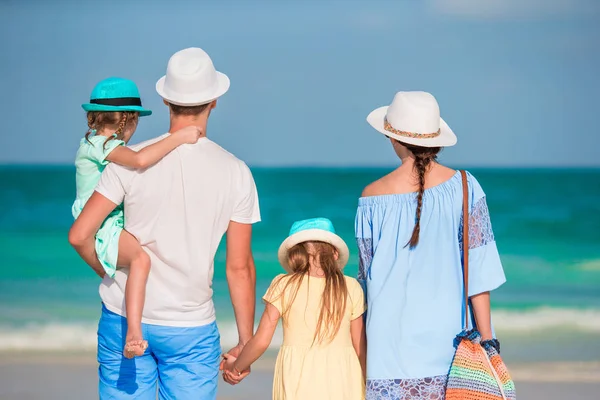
424 157
97 120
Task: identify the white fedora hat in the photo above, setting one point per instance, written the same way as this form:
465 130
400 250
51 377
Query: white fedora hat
314 229
413 118
191 79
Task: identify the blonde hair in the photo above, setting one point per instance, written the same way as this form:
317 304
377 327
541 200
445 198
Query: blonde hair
335 294
97 120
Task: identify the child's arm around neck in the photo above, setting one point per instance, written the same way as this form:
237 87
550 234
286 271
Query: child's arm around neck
150 155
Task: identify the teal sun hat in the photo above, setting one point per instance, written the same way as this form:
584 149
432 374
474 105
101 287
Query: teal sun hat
116 94
314 229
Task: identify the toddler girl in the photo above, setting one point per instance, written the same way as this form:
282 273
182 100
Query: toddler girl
112 115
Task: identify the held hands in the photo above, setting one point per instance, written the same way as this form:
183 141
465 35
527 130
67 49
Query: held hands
230 374
189 134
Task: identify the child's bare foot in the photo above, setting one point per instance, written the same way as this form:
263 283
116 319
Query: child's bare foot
135 348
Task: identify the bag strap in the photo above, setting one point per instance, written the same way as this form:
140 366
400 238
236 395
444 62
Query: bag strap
465 246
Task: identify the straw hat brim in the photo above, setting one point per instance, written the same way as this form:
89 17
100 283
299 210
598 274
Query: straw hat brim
446 138
195 99
89 107
318 235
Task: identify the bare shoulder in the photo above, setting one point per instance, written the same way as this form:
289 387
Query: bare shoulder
438 175
377 188
444 171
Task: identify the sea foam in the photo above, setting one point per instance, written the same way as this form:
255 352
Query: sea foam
82 336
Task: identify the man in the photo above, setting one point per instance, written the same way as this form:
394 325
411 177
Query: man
179 210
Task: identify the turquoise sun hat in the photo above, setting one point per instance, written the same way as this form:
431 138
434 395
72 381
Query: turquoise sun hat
314 229
116 94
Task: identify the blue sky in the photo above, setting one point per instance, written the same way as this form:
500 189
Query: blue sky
517 80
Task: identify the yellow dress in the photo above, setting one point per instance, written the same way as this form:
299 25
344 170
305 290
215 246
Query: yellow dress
303 371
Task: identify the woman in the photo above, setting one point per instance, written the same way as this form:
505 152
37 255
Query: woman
409 230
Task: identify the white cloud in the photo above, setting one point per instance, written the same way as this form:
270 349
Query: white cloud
513 9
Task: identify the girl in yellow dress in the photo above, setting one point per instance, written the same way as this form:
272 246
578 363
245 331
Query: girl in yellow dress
324 345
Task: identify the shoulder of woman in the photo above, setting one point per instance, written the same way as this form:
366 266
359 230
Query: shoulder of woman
474 185
372 189
367 190
470 177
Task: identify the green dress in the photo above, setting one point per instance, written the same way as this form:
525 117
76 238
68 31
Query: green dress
90 161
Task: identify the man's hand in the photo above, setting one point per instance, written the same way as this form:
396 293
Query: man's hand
235 352
83 232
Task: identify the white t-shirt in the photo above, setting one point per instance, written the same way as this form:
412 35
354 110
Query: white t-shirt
179 210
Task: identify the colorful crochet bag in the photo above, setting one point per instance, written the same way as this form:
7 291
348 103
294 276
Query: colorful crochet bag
477 372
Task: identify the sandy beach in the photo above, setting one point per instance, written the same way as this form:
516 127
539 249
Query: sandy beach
65 377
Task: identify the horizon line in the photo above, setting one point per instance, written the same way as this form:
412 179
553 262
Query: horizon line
343 166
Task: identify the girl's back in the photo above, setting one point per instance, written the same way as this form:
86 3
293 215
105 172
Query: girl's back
301 319
327 370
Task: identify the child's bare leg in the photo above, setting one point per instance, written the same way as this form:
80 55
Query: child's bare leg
132 256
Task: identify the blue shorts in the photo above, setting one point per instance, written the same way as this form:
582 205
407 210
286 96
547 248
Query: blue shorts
182 362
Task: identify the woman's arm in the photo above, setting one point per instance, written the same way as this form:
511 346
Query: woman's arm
359 341
150 155
483 319
256 346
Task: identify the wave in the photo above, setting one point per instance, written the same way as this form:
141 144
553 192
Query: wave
64 337
49 337
578 320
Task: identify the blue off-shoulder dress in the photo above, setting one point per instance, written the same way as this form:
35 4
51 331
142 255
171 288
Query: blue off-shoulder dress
415 296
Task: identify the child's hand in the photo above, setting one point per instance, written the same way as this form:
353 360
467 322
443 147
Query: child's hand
189 134
230 374
233 378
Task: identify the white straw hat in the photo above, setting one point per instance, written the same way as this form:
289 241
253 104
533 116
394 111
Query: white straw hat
314 229
413 118
191 79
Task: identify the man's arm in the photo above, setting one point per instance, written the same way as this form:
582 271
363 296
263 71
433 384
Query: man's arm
241 278
83 232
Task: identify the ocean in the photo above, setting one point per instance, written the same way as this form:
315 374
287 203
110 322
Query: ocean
546 223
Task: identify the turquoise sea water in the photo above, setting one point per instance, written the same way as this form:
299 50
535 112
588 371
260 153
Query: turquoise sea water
546 222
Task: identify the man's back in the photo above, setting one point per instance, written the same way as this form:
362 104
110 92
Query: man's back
179 210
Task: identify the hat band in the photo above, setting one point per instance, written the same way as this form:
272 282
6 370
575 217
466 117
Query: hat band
118 101
390 128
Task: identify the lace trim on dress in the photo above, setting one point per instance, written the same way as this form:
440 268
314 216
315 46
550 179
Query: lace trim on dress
365 257
480 226
432 388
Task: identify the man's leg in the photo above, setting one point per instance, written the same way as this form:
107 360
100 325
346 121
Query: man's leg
121 378
188 361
